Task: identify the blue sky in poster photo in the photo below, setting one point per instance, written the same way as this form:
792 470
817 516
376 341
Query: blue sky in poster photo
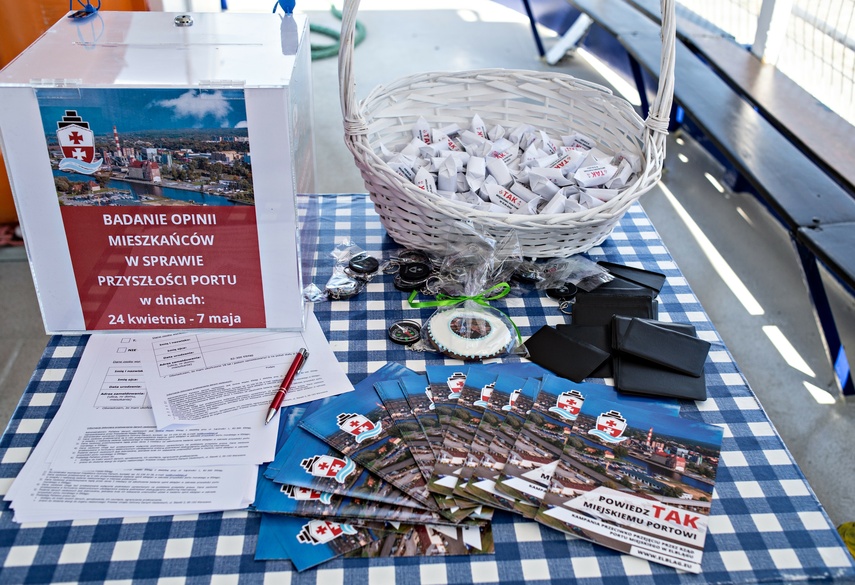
144 109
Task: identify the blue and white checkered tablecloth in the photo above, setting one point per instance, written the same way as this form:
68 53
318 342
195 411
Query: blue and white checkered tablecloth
766 524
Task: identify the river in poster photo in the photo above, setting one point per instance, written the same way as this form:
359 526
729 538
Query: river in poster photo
156 196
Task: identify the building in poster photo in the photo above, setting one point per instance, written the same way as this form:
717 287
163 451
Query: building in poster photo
148 147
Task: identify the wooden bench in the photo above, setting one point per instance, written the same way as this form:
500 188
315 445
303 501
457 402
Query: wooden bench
821 134
817 212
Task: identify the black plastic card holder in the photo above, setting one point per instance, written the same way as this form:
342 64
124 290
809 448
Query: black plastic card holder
600 336
621 324
666 347
600 309
566 357
620 286
647 278
637 376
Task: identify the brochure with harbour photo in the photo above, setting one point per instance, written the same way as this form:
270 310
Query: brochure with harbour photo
637 481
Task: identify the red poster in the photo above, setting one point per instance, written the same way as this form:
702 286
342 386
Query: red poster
166 267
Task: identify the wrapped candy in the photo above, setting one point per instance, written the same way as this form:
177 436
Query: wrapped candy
497 169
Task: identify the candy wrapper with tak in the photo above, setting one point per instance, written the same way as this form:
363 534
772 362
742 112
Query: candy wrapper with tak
475 271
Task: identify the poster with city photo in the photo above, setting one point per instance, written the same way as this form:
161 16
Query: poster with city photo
156 196
635 480
150 147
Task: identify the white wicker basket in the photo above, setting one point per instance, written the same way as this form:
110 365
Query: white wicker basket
555 102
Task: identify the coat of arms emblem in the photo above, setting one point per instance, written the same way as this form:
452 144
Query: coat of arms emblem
610 427
323 531
512 399
455 384
77 142
305 494
359 426
568 405
329 467
486 392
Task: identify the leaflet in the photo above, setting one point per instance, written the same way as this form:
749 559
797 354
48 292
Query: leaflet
404 419
308 543
419 397
460 431
505 391
279 498
360 427
482 484
429 541
306 461
636 481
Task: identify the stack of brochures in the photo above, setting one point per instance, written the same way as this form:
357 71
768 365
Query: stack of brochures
167 424
416 464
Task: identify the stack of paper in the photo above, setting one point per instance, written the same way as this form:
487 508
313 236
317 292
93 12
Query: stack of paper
167 424
436 453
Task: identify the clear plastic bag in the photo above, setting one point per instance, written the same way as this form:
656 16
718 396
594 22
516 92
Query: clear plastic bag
578 270
474 272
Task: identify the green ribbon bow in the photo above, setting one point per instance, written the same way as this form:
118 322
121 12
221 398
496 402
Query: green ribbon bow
444 300
494 293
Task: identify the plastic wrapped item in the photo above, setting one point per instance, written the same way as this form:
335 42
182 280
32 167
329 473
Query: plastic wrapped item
474 274
342 286
577 270
470 331
353 268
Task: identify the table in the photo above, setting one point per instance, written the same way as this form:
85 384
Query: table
766 523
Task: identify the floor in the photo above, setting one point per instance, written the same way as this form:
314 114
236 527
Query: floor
737 260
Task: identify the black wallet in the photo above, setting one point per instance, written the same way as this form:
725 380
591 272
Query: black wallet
674 350
564 356
600 336
621 324
616 297
646 278
637 375
591 309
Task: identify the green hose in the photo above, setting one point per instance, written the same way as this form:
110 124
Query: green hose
326 51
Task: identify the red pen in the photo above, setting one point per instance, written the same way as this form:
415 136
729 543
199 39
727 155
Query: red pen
296 365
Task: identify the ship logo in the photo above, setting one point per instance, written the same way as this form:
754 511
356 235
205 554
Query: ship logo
455 384
512 399
77 142
323 531
610 427
359 426
486 392
305 494
327 466
429 394
568 405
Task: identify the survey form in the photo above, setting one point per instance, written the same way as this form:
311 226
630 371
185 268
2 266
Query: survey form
195 377
113 424
105 409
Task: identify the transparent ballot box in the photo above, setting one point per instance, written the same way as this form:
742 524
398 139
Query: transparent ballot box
155 160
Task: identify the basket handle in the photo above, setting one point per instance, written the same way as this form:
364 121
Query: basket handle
354 124
659 114
656 123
